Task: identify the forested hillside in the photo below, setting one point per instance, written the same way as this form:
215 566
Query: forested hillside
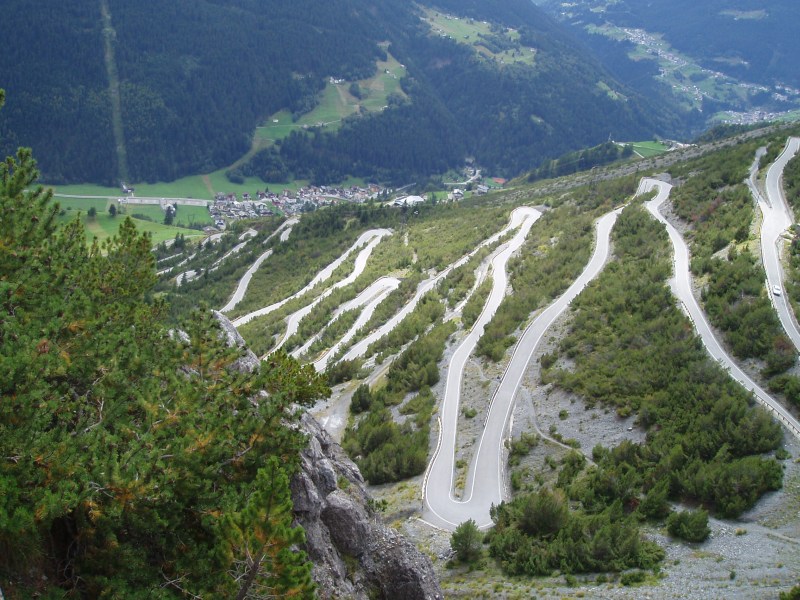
637 431
750 39
72 122
194 79
136 461
716 55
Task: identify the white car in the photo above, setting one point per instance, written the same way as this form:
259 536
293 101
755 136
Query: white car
776 289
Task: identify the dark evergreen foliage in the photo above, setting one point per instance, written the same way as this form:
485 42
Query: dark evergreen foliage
689 525
582 160
384 450
713 29
536 534
136 462
704 438
466 541
195 78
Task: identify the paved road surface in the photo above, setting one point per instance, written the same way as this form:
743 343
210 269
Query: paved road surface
485 481
777 219
293 320
370 298
244 283
241 288
681 285
319 278
360 348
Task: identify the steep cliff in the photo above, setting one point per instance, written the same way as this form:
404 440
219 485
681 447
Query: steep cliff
355 556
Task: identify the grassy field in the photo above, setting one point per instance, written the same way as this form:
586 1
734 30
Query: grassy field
609 92
648 149
469 32
103 225
101 198
336 103
84 204
201 187
187 187
186 216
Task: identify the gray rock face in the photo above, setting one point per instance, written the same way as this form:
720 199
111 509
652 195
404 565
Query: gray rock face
354 555
400 574
248 362
347 522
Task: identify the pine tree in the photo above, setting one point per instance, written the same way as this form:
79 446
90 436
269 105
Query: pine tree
466 541
127 448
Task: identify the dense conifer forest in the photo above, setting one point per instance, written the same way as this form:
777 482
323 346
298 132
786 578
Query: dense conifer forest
192 80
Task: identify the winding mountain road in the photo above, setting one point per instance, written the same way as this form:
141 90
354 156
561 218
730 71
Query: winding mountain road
681 286
293 320
485 481
518 216
777 219
369 299
284 230
364 298
324 274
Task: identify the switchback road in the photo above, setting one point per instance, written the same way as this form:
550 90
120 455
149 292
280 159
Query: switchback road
681 285
324 274
777 220
485 482
518 216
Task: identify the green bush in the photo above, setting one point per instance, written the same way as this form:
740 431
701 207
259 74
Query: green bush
793 594
632 348
655 504
361 400
632 578
384 450
689 525
536 534
542 514
466 542
521 447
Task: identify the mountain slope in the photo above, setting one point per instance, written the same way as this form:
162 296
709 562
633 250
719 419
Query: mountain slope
734 55
196 78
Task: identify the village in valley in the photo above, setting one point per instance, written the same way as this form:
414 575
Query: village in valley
228 207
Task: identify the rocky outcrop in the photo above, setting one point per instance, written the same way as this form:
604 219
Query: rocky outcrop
354 555
249 361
